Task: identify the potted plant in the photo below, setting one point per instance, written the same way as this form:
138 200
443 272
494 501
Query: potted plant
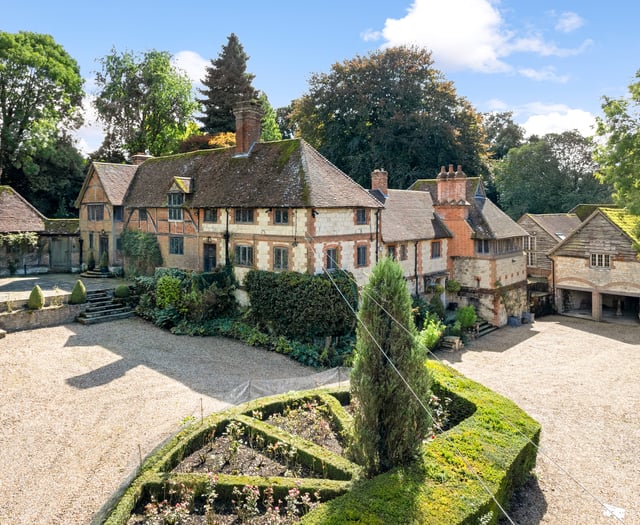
104 262
91 262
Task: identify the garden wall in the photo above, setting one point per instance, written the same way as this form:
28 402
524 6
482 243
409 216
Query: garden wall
24 319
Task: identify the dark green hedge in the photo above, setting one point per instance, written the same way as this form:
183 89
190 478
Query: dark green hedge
497 439
300 306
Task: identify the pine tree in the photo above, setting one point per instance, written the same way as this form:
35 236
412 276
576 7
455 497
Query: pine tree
226 83
389 423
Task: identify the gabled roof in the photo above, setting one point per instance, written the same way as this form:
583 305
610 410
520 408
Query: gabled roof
585 210
485 218
410 216
17 215
557 225
627 223
114 178
287 173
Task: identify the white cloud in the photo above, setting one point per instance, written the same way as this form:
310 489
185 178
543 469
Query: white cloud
547 74
192 64
91 134
556 118
370 35
470 34
568 22
473 41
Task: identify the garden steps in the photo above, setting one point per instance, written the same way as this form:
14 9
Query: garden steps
101 307
484 328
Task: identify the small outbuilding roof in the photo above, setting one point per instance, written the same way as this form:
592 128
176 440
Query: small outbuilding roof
17 214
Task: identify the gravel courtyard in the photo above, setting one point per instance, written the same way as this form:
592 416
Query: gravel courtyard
580 380
80 404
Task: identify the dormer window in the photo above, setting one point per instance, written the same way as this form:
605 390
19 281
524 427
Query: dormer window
175 201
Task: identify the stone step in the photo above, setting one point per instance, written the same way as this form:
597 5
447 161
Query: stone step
105 318
105 308
485 328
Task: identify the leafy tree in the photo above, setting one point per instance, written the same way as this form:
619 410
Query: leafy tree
393 110
226 83
270 129
144 102
502 133
619 157
40 93
549 175
286 125
389 423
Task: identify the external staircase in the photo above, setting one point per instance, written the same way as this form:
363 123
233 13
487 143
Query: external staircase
102 307
484 328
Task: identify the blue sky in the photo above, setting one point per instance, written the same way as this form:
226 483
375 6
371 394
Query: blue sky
550 62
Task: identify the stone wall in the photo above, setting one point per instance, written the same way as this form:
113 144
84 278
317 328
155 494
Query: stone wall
30 319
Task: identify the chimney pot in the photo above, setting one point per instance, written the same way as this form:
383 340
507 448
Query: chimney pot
248 114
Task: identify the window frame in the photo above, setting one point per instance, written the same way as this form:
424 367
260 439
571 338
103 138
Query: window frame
176 245
142 214
331 259
210 212
92 212
118 213
392 251
242 215
361 216
175 202
362 255
243 259
280 258
281 216
482 247
599 260
436 249
404 252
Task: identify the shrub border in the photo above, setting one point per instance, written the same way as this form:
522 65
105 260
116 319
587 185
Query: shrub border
439 489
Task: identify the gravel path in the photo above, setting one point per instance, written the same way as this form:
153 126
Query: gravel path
79 404
580 380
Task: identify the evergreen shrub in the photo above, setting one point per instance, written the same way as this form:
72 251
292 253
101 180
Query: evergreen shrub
122 291
79 293
36 299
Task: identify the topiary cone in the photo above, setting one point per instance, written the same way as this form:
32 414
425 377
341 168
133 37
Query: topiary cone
78 294
36 299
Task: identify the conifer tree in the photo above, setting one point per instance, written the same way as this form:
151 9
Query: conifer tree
226 83
389 422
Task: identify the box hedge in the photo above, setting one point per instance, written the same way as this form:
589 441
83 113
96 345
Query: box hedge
491 438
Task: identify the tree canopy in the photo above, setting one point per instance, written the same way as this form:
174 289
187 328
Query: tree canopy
390 109
549 175
40 95
502 133
226 83
619 157
144 102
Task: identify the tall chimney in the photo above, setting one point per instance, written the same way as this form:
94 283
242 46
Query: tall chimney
380 181
452 185
248 114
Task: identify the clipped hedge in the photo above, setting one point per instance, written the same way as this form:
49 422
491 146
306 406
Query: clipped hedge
495 437
498 442
302 306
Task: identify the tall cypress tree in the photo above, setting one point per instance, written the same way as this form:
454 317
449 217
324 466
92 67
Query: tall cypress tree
389 423
226 83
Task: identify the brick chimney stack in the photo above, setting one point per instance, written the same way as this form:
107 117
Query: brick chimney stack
139 158
380 181
452 185
248 114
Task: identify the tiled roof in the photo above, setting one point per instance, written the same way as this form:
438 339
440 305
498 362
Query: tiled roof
558 225
583 211
628 223
485 218
409 216
115 179
17 215
62 226
287 173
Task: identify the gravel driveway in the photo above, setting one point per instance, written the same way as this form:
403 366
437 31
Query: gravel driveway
80 404
581 381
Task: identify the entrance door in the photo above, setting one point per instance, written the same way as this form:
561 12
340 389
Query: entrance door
209 257
60 257
104 246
